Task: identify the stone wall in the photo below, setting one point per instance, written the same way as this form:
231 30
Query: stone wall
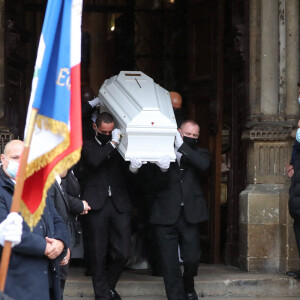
267 242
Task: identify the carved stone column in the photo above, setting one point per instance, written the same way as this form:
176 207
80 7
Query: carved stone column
254 57
267 242
269 57
266 235
292 56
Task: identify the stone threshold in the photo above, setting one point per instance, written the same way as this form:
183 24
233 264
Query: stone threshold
212 280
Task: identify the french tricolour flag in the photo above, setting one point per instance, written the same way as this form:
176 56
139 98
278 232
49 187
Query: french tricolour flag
55 101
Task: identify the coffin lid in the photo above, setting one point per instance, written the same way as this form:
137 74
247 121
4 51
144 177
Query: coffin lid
138 101
143 112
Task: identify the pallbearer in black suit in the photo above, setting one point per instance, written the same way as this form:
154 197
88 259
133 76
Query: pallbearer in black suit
68 207
177 209
103 175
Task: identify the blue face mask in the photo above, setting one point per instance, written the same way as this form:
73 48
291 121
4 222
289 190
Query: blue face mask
299 100
12 168
298 135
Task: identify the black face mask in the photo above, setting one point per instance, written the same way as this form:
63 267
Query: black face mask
103 138
177 112
190 141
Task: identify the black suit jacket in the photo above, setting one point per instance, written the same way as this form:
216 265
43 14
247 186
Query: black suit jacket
180 184
67 206
70 185
87 123
29 269
101 167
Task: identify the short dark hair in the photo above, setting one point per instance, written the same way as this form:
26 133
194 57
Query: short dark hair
104 117
298 84
189 121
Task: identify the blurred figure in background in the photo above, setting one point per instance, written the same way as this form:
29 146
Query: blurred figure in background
68 206
176 100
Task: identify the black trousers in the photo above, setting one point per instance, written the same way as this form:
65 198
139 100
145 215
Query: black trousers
63 274
108 228
86 247
168 238
296 227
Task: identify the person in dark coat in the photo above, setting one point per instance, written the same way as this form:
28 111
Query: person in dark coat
176 101
33 268
103 183
89 111
4 297
293 171
178 206
68 207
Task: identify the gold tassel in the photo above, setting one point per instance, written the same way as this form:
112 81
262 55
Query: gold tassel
64 164
55 127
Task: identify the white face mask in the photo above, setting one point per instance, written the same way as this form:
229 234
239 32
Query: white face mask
12 168
299 100
298 135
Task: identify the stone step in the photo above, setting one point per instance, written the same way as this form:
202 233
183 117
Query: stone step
212 281
205 298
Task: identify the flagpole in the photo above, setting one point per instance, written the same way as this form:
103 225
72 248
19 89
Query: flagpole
17 196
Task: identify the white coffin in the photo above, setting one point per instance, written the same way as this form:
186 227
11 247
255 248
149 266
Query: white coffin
144 114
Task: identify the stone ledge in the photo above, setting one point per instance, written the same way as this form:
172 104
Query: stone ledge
212 280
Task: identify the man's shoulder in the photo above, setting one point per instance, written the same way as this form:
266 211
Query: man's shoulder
185 147
202 150
90 141
6 188
90 144
5 181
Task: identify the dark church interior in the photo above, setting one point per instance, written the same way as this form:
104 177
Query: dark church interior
195 47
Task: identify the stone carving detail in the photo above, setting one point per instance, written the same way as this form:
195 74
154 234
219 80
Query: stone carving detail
269 134
271 158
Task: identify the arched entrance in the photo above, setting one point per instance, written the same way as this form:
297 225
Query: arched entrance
196 47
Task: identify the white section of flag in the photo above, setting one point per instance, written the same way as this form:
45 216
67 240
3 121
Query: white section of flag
42 142
38 65
75 28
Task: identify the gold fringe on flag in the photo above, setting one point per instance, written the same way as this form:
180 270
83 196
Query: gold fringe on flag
59 128
64 164
56 127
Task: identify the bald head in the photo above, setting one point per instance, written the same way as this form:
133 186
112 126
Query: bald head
176 100
87 93
12 154
13 146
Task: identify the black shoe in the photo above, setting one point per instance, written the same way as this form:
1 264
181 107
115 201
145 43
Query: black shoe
297 276
157 273
88 272
114 295
156 270
292 273
191 296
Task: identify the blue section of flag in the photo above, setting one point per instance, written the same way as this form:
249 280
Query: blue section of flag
52 97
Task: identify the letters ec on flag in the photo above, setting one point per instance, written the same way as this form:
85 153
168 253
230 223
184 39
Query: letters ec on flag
55 101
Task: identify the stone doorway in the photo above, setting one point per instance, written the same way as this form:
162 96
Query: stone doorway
195 47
